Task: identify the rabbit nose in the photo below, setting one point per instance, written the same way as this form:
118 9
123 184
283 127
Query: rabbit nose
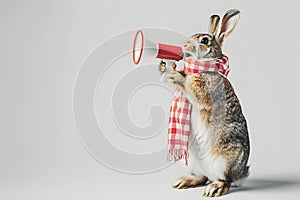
187 55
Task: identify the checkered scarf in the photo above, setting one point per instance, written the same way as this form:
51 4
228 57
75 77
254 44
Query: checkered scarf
180 111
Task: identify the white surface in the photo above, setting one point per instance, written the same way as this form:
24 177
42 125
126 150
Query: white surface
43 44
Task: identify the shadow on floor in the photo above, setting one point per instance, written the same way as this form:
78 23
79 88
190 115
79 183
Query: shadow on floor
265 184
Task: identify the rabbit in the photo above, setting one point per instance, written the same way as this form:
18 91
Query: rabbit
219 145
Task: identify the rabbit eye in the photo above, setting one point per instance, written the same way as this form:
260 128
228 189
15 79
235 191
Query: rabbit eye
204 40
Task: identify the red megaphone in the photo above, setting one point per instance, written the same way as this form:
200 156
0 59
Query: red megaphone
143 46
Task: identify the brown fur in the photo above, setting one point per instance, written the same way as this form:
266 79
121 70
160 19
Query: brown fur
199 88
191 48
203 47
205 116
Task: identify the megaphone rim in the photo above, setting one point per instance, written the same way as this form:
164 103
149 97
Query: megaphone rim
136 61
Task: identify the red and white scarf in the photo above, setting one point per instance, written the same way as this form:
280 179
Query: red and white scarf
180 111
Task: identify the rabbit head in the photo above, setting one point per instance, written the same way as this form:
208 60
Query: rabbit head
208 46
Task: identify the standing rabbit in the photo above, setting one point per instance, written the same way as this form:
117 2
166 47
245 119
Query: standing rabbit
218 139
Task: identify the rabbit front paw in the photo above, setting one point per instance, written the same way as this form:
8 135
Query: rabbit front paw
162 67
176 78
189 182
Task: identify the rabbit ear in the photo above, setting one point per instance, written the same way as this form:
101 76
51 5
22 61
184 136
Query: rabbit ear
214 24
228 24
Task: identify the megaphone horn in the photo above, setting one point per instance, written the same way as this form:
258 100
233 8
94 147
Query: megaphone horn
163 51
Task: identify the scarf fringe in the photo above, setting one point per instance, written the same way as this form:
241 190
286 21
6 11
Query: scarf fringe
178 154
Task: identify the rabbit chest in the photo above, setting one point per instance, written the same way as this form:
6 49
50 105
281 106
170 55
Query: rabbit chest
201 160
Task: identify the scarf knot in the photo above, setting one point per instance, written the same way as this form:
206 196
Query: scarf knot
180 110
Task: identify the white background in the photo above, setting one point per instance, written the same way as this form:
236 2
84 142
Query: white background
43 44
